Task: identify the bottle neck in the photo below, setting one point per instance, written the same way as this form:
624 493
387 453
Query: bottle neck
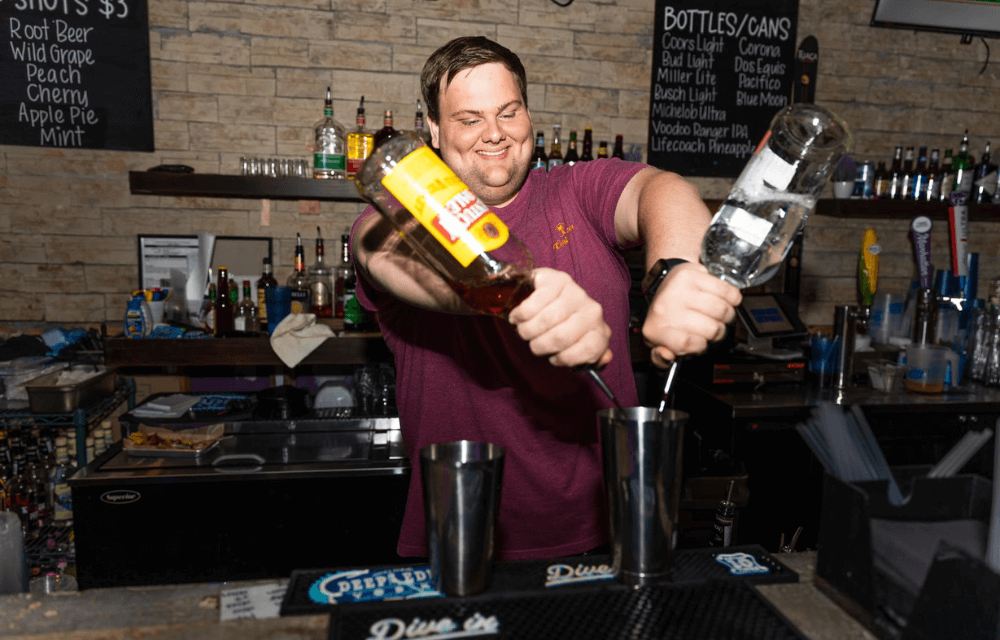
300 259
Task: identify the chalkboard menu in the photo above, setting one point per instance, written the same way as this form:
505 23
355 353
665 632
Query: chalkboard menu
75 74
721 70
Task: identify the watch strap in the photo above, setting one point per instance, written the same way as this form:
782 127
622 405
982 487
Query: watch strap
651 283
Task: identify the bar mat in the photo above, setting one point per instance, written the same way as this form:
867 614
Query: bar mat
707 611
316 591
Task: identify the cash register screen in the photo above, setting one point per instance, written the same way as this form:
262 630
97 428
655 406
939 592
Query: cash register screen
765 317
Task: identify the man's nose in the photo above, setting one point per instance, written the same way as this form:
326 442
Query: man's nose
493 132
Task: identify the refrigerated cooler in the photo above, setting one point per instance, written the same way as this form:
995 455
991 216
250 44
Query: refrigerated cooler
269 497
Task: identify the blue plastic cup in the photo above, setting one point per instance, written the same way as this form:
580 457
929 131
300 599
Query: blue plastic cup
278 301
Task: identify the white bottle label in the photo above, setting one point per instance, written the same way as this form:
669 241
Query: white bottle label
769 168
743 224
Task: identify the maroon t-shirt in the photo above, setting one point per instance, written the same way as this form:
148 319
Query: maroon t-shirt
473 378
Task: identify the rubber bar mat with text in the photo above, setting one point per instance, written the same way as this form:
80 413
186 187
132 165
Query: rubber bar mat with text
729 610
319 590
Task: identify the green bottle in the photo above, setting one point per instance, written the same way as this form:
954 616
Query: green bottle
962 165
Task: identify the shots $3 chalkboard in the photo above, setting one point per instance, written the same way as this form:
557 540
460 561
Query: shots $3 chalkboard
721 70
75 74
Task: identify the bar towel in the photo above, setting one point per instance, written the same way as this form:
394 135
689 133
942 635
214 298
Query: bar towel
297 336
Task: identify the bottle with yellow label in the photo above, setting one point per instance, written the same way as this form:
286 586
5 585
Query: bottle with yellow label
447 225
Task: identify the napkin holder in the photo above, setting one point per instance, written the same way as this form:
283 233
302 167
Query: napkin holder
960 594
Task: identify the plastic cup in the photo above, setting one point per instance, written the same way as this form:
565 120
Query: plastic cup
822 361
925 368
461 483
278 301
156 310
887 317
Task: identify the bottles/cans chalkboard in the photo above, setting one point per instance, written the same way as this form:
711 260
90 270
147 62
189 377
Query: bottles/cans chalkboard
721 70
75 74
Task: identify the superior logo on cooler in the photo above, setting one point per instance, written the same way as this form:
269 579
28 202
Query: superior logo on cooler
560 574
366 585
475 626
120 496
741 564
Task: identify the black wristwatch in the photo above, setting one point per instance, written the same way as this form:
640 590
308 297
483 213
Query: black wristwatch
656 275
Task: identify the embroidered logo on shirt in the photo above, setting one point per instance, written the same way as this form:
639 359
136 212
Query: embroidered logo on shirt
563 236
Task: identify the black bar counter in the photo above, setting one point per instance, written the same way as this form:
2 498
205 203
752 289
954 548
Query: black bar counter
191 611
753 434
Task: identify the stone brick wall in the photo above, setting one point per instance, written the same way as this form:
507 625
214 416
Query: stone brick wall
247 78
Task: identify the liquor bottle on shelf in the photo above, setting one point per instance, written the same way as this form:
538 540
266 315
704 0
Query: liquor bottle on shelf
298 281
906 184
619 150
962 165
918 188
602 149
224 309
60 496
481 261
246 319
354 314
20 494
207 315
320 287
881 189
984 179
896 175
555 154
588 145
234 296
329 144
933 191
572 157
344 271
264 282
539 159
359 142
947 176
418 125
387 131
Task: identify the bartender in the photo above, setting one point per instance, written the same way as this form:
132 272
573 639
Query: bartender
511 381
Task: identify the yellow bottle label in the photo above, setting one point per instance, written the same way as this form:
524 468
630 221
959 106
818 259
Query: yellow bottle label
428 188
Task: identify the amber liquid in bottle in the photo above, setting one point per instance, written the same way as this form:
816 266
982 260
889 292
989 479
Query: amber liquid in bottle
453 231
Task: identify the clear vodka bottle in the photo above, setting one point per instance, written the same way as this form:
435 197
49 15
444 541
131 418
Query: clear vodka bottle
751 233
330 145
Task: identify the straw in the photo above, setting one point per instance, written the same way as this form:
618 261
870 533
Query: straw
846 447
960 454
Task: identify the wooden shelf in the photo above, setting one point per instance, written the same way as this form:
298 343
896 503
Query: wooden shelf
250 351
206 185
900 209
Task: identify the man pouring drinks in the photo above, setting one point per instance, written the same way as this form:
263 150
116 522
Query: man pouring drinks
513 379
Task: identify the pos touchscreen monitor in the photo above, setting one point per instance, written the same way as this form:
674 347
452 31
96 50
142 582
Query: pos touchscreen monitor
770 315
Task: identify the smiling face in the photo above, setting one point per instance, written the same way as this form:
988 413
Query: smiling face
485 131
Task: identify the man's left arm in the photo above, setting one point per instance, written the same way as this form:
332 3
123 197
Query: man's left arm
691 307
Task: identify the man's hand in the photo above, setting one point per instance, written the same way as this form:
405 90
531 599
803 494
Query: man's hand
691 308
560 321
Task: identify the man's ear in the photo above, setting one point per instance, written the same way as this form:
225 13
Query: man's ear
435 129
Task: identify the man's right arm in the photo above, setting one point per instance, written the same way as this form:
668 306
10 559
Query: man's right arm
559 320
385 260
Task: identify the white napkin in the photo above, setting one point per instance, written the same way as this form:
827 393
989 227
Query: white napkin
297 336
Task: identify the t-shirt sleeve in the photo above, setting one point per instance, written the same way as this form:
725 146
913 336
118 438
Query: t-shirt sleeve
599 185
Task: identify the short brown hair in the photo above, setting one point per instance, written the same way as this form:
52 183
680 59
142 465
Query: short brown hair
465 53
